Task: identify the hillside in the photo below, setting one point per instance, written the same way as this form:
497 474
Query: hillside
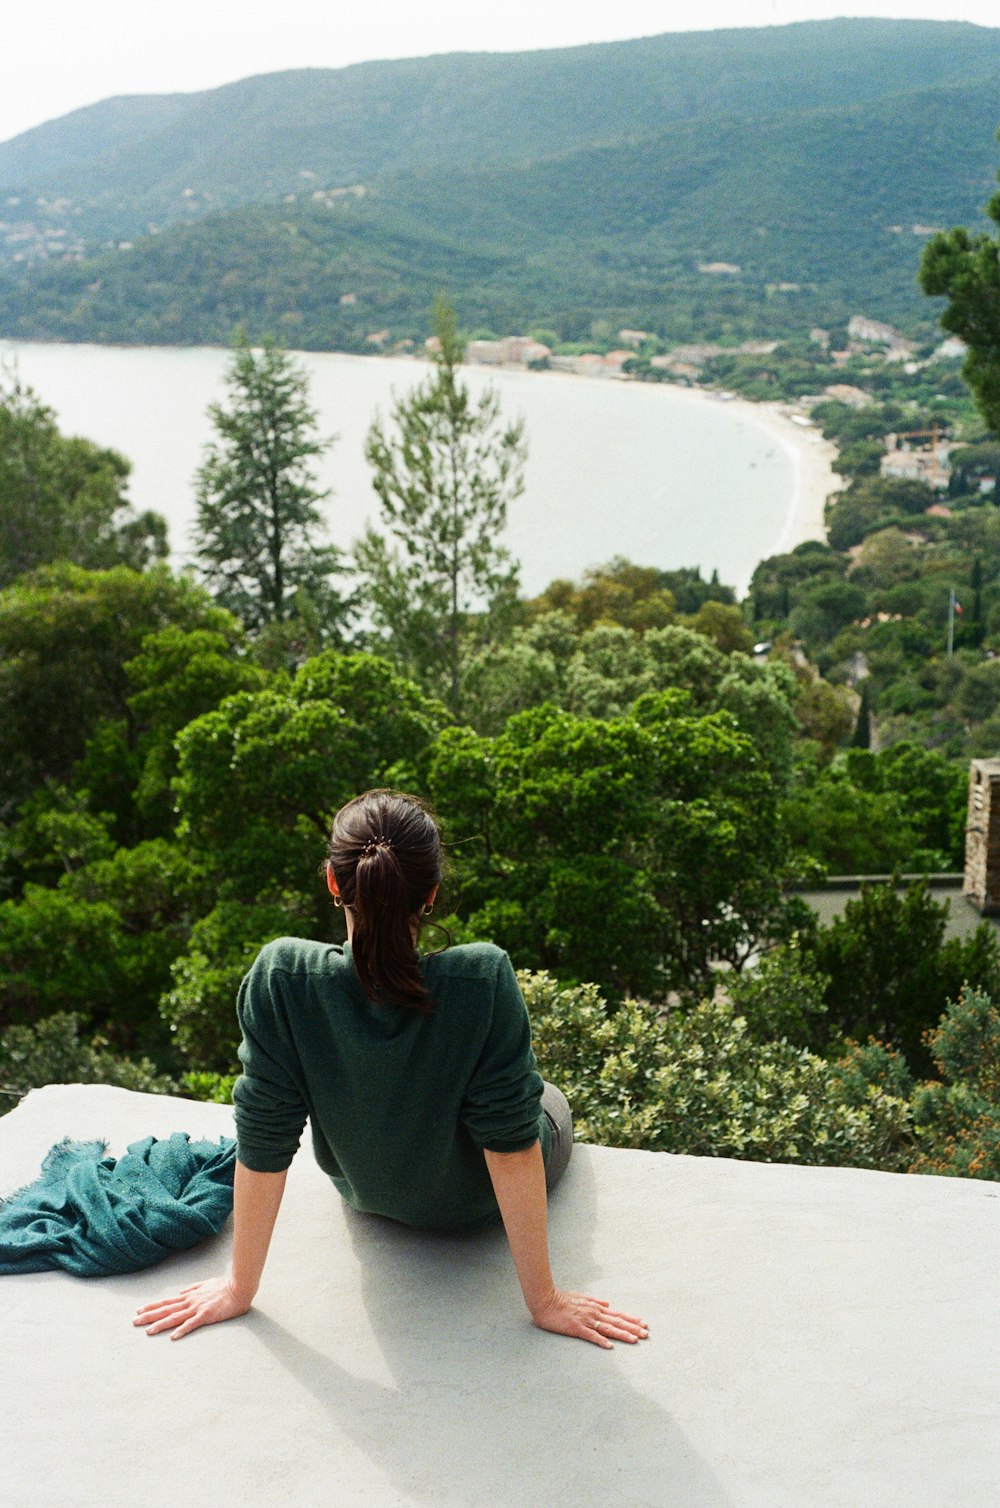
553 188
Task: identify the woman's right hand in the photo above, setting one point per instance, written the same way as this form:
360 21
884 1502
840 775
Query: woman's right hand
586 1318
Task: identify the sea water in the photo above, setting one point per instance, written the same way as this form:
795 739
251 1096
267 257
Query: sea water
614 468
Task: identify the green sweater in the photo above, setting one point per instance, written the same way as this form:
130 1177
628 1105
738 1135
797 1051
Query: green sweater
401 1104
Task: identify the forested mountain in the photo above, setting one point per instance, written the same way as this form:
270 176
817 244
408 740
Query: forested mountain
551 188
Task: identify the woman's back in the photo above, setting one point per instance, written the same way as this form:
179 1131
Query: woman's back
401 1103
428 1110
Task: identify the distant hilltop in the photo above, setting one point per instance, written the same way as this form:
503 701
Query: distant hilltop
702 186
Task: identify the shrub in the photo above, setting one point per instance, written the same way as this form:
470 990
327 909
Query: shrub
958 1116
696 1082
52 1053
216 1088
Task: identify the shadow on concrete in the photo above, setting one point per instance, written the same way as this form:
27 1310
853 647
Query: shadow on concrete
478 1407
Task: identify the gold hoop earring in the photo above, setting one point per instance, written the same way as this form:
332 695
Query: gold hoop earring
338 901
428 909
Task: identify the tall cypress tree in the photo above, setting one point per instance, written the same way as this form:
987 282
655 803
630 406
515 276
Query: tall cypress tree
258 532
862 738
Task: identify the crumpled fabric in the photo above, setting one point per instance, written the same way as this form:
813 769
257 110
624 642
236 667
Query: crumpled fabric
95 1216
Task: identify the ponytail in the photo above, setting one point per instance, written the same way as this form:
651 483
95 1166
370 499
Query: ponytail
385 853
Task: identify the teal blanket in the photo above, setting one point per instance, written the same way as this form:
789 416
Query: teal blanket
94 1216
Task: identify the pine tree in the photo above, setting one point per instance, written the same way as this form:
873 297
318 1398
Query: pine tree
445 477
257 536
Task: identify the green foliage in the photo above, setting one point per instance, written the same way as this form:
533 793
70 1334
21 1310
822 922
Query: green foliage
57 833
260 777
825 714
59 952
200 1008
64 499
178 675
258 522
775 578
823 607
783 997
504 679
445 479
66 635
871 813
620 592
101 941
965 268
873 503
216 1088
52 1053
661 823
725 625
891 971
860 458
958 1116
696 1082
604 670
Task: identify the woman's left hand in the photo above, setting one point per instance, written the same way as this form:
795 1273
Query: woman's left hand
207 1303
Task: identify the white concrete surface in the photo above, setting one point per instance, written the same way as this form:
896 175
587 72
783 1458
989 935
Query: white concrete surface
819 1336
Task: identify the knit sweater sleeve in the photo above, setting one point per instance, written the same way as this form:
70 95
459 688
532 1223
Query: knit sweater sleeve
503 1100
270 1109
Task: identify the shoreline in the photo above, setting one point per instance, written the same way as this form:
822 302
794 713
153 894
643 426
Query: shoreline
812 458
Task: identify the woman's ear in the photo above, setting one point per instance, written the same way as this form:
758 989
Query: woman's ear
331 880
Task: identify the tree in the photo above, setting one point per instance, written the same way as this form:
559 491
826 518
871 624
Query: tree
261 776
65 637
256 536
891 970
965 268
631 851
725 625
52 1053
619 592
862 738
64 499
445 480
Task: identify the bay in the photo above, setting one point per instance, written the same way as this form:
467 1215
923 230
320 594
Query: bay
662 476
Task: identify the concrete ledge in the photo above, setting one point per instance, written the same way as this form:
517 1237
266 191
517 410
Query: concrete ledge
819 1336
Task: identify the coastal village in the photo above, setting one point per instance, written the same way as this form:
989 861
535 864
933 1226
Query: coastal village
919 455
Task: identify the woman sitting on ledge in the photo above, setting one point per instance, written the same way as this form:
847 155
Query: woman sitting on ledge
416 1072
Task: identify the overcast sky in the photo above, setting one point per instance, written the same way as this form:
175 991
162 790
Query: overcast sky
61 54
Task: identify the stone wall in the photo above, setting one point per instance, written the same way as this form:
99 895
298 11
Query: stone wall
982 836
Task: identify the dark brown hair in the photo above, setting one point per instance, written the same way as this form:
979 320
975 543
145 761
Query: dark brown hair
385 853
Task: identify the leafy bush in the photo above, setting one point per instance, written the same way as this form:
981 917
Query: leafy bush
696 1082
958 1116
216 1088
53 1053
783 997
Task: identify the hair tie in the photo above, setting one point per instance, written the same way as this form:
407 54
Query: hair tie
378 841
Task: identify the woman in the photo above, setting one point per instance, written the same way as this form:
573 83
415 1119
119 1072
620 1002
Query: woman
416 1072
